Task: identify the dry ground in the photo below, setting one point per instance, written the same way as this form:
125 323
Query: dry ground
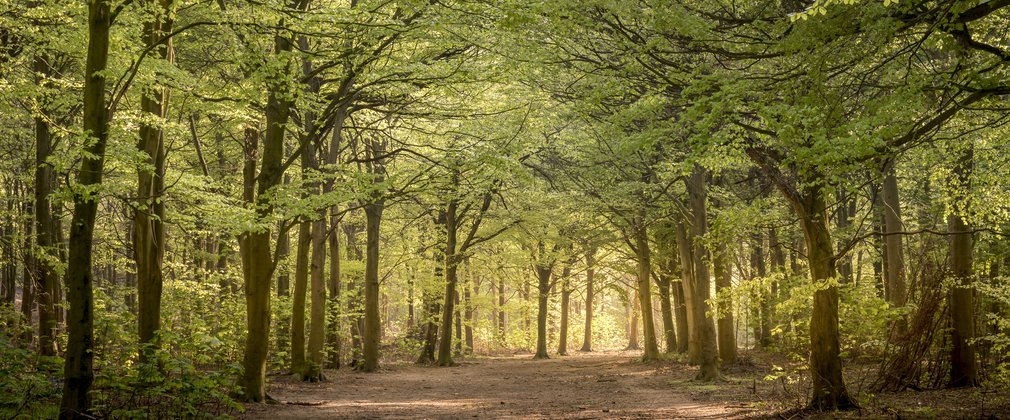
583 385
599 385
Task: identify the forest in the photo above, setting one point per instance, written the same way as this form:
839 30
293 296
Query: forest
256 208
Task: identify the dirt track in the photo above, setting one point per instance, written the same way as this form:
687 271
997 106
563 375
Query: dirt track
583 385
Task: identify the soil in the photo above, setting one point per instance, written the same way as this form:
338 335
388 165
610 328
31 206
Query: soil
582 385
611 384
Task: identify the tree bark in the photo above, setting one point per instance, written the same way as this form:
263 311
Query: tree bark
566 295
259 264
283 289
373 326
451 266
829 391
680 308
501 310
149 216
644 271
544 289
298 300
669 328
78 373
697 191
468 310
963 363
317 325
587 340
632 334
45 255
723 284
333 284
893 242
686 289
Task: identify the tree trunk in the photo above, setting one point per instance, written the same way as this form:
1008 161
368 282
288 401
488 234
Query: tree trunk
632 334
258 258
697 190
298 300
46 256
501 310
566 295
317 326
431 312
845 262
893 243
148 220
644 271
544 289
451 266
723 284
29 289
669 328
77 369
587 340
333 285
829 391
680 308
963 363
373 326
283 289
468 312
764 336
687 292
458 347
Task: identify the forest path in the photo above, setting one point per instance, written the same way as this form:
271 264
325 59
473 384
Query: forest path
582 385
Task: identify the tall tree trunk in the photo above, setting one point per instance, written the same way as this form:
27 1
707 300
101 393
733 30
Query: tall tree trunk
468 310
963 363
373 327
680 308
46 254
669 328
333 284
566 295
501 310
544 289
283 288
893 242
458 347
431 308
29 287
148 219
587 340
298 300
697 191
723 284
686 291
829 389
644 271
259 263
632 334
77 369
764 336
451 270
845 262
317 326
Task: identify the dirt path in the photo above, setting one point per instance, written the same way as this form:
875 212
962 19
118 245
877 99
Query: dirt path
583 385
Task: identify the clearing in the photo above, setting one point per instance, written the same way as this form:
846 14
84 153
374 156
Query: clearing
582 385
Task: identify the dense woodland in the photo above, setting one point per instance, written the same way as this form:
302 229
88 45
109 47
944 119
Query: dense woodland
195 193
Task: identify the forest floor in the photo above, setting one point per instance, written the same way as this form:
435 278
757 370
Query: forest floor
585 386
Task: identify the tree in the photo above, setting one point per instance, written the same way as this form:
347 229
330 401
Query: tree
78 367
149 215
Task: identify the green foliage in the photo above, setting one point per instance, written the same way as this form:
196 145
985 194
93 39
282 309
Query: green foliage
170 385
30 385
